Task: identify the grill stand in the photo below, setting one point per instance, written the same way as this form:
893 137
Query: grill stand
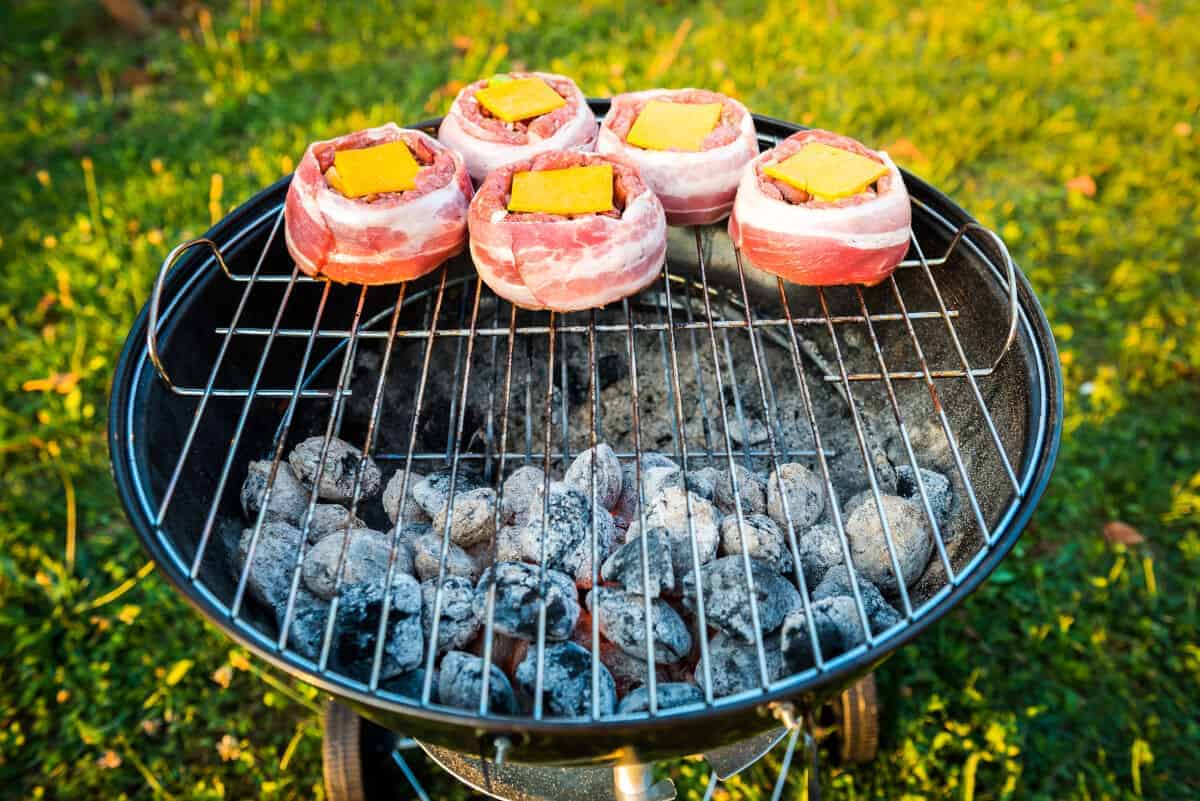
363 762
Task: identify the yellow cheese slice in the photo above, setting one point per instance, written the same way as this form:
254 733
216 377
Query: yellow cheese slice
334 180
827 173
673 126
519 99
574 190
388 167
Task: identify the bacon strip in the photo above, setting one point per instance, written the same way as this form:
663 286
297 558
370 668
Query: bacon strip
855 240
548 261
388 238
486 142
695 188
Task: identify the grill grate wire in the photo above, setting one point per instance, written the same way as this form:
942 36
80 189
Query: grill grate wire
712 329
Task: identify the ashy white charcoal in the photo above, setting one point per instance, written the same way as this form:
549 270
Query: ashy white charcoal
820 549
668 695
727 599
624 565
937 489
363 554
622 618
472 517
869 546
566 681
518 597
342 464
427 555
289 498
670 511
412 511
331 518
270 575
608 475
458 622
760 537
805 495
461 684
520 489
432 492
751 490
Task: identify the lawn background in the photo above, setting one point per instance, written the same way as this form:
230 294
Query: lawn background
1072 129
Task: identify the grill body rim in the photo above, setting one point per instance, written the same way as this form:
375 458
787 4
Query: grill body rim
571 741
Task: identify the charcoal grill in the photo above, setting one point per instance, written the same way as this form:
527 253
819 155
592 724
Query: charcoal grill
237 355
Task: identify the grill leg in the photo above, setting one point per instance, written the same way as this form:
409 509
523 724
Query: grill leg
635 782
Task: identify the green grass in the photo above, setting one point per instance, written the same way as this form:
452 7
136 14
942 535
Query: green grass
1072 674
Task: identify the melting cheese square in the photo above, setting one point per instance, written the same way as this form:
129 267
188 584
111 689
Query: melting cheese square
389 167
673 126
519 99
827 173
573 190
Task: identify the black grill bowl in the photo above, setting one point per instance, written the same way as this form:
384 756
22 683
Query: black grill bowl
148 423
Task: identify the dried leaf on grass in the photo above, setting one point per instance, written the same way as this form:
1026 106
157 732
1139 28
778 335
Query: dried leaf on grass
1119 533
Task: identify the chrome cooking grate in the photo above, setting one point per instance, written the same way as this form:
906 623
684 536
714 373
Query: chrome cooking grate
693 321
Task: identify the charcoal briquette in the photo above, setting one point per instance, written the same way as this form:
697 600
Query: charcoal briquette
727 601
412 511
520 489
622 618
838 629
518 596
624 565
458 622
567 681
367 553
289 498
669 695
836 582
461 684
751 489
432 492
937 489
608 475
563 535
805 495
734 665
427 555
869 546
360 608
670 511
307 629
472 517
820 549
342 465
760 537
331 518
275 553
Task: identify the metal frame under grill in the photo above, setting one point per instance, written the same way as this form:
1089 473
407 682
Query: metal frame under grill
701 314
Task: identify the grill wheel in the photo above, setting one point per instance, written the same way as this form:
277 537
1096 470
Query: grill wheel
857 712
341 754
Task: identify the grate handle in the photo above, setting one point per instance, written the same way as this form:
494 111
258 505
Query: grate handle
156 305
156 302
1010 270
